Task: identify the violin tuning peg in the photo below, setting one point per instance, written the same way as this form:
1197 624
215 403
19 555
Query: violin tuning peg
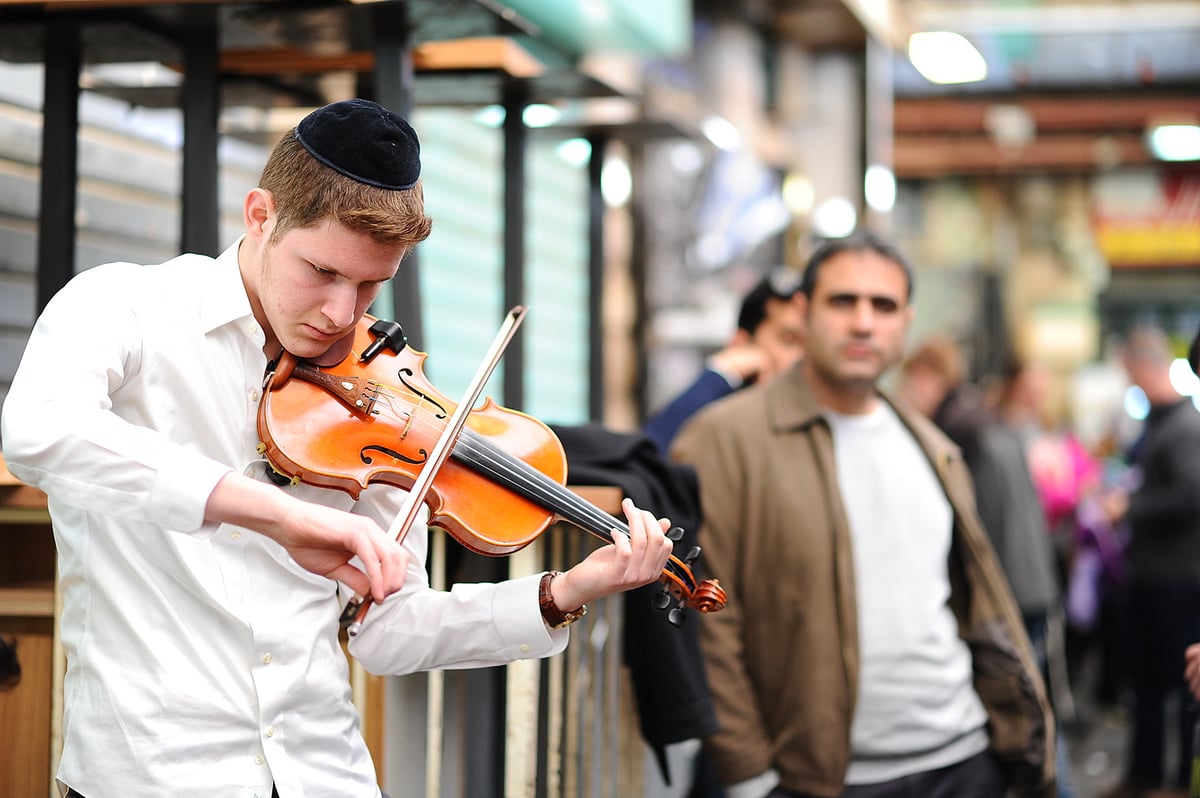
661 600
692 555
675 533
676 617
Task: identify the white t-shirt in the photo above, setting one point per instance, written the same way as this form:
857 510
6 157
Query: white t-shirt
917 709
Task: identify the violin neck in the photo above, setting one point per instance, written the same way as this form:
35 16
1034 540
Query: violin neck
481 456
478 454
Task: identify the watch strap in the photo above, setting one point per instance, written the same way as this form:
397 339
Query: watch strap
554 616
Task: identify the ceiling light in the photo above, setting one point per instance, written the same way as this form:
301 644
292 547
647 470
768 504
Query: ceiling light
799 194
946 57
1174 142
616 181
834 218
879 188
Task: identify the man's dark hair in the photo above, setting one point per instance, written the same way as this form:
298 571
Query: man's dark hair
781 283
858 241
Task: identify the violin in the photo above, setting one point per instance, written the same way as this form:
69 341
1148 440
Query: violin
374 418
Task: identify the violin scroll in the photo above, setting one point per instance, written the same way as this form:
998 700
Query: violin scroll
680 587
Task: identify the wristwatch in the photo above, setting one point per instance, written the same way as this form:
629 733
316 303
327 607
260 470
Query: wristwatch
553 615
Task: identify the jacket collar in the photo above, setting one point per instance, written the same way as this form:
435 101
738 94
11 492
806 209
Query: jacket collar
790 402
791 405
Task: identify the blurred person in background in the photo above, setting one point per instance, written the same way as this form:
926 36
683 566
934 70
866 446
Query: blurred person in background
1072 483
1163 516
766 343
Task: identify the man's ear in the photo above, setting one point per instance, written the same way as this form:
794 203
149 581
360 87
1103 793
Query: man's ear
258 211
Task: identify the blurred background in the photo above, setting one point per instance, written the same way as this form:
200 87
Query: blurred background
630 169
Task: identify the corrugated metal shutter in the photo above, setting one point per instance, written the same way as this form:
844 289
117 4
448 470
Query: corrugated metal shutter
462 263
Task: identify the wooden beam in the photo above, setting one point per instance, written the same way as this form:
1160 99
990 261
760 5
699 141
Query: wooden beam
1114 113
484 53
942 155
79 5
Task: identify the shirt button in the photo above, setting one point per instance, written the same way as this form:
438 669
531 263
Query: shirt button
235 535
258 760
254 395
524 648
270 731
267 659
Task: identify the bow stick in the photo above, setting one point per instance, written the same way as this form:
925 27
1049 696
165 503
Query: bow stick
356 609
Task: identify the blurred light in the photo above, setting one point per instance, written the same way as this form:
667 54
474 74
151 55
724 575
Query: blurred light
616 183
536 115
1009 125
798 193
835 218
1137 406
1174 142
722 133
144 74
574 151
686 158
1183 379
540 115
490 115
946 57
879 186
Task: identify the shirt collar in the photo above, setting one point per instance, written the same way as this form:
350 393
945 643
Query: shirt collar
225 298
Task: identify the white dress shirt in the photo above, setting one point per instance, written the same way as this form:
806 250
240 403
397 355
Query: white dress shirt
201 660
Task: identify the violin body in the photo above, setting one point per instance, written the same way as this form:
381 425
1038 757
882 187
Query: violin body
388 437
375 418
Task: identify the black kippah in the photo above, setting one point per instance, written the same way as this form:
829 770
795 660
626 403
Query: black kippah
365 141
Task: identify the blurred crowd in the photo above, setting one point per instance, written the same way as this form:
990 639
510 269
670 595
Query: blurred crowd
1103 549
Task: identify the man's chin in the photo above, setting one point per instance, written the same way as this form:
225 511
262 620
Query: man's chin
324 353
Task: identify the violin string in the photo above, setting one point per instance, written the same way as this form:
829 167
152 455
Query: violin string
525 480
515 473
506 466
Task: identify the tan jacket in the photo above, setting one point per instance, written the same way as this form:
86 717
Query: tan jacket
783 655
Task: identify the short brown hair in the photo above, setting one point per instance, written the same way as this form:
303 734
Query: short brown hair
306 191
941 356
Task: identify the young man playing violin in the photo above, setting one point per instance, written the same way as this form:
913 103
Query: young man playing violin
200 601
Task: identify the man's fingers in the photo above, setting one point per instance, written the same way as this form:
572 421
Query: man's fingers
384 562
349 575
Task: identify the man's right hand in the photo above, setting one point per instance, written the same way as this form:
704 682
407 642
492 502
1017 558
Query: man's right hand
320 539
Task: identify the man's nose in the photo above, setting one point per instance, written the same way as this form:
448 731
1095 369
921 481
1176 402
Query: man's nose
864 314
339 307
